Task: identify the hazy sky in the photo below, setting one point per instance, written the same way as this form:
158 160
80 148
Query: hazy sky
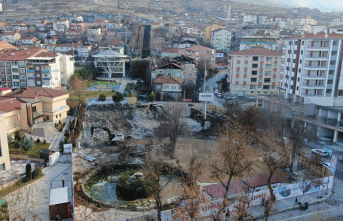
322 5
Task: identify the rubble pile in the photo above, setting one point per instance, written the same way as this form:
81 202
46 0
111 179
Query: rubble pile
142 124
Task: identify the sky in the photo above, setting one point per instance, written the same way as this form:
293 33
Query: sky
322 5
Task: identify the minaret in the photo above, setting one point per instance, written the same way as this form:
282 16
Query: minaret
229 14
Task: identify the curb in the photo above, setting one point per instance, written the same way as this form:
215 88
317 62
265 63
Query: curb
297 207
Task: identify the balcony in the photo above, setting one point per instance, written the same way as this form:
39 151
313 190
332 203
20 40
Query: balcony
46 71
317 58
314 77
312 86
30 71
315 67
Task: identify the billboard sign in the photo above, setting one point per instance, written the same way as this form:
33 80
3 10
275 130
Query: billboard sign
206 97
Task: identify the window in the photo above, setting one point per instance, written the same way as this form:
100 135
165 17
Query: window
335 43
328 91
253 72
253 79
331 72
302 42
334 53
56 116
252 87
34 109
332 62
267 80
254 65
330 81
60 115
255 58
267 73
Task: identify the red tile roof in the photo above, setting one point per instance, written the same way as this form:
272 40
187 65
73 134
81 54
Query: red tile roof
258 51
47 55
217 190
168 80
18 55
6 45
5 89
320 35
33 92
170 66
10 104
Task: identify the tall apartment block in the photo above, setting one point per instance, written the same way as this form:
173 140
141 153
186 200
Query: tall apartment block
254 71
34 68
146 42
312 68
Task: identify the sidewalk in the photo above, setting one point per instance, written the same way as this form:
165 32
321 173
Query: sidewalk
290 204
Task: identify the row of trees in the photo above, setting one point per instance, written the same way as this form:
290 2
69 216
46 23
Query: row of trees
117 97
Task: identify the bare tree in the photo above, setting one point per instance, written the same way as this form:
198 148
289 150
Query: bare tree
240 211
172 126
154 169
78 86
192 196
234 158
276 155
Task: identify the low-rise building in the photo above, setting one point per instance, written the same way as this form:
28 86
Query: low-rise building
200 53
266 41
110 62
28 40
61 25
168 88
10 37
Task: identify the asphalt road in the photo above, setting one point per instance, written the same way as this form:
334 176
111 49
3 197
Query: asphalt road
209 87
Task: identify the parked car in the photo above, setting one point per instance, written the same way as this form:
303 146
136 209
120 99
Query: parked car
215 86
216 91
320 152
326 164
219 95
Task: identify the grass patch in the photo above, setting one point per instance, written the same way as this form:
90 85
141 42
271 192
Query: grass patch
16 186
92 94
31 153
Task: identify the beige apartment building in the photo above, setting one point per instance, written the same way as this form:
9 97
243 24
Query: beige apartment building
25 107
254 71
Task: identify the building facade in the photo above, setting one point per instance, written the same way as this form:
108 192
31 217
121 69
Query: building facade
269 42
254 71
221 40
311 68
4 152
209 29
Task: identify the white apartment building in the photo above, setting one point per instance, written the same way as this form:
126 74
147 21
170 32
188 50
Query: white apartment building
61 25
221 39
311 68
254 71
49 69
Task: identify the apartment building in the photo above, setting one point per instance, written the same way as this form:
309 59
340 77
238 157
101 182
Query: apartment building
209 29
254 71
49 69
13 66
34 67
221 40
200 53
110 62
311 68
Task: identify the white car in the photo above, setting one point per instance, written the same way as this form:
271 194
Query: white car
216 91
220 95
215 85
326 164
320 152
